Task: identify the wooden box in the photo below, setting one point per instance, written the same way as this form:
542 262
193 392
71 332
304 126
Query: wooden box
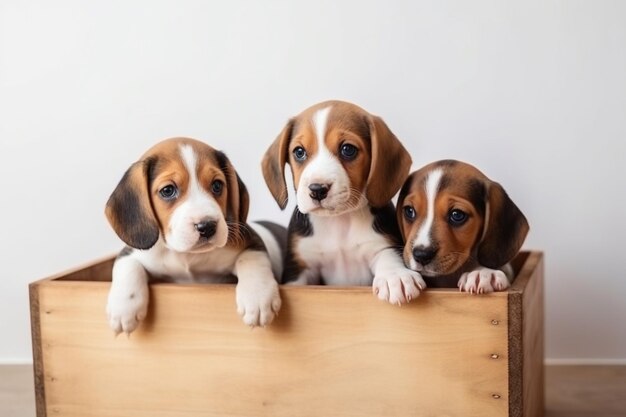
332 352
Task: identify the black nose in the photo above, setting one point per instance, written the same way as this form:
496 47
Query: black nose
206 229
424 255
318 191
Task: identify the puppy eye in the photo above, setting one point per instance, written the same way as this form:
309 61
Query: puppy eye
409 213
348 152
299 153
457 217
217 186
169 192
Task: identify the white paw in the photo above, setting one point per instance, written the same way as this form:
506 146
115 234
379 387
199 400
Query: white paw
127 304
398 286
127 307
258 302
483 280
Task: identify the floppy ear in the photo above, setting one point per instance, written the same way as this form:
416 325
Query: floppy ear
390 163
273 165
238 198
129 209
504 231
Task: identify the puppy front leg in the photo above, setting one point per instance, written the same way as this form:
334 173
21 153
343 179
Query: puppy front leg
127 304
393 281
258 299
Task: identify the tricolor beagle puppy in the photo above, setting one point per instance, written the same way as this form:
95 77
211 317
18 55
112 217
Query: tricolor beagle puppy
346 166
182 209
459 227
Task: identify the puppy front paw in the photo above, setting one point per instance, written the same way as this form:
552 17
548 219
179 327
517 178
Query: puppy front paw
483 280
127 307
258 303
398 286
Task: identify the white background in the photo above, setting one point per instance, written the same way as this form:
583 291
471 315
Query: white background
533 93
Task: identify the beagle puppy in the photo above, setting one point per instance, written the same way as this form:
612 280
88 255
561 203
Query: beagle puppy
459 227
346 166
182 209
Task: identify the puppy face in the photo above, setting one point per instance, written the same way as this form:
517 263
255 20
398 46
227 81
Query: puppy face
341 158
182 190
452 216
330 160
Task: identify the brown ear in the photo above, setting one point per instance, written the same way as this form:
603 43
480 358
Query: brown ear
238 197
504 231
390 163
273 165
129 210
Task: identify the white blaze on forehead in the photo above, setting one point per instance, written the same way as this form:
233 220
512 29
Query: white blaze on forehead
195 193
431 186
190 161
323 166
320 120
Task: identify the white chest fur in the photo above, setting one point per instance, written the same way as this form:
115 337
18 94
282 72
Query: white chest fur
215 266
341 249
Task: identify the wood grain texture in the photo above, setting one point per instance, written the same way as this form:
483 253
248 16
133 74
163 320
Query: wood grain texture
526 379
332 352
38 370
571 391
533 342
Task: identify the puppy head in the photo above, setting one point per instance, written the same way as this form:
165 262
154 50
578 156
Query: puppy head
182 190
341 158
451 215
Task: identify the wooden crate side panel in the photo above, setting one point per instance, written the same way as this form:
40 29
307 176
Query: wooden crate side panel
329 353
525 336
515 348
533 339
96 270
38 370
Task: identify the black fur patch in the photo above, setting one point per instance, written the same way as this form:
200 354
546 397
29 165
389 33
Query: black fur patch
386 224
477 194
222 162
300 226
125 252
292 267
140 228
279 232
405 189
152 169
252 239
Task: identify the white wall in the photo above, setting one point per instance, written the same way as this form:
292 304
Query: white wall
534 93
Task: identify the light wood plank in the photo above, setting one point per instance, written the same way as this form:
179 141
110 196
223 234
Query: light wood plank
329 353
572 391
